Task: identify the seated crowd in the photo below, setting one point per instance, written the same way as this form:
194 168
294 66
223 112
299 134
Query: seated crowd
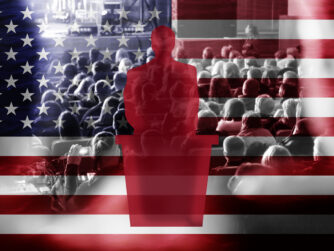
252 104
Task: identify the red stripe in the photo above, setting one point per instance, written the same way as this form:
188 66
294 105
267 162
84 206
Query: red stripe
265 47
21 166
164 242
117 204
252 10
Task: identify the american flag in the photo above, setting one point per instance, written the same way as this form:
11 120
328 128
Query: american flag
250 219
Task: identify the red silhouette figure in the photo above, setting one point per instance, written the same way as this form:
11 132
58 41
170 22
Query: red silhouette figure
162 95
166 164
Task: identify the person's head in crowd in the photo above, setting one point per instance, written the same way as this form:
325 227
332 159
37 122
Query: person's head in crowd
231 70
207 53
121 126
292 52
82 89
234 109
207 122
203 105
219 88
102 90
120 54
71 89
264 105
218 69
251 88
98 67
251 31
239 61
289 108
125 65
215 107
292 64
269 78
78 78
248 50
150 52
102 143
48 95
244 73
180 54
290 77
70 71
255 151
108 110
149 59
234 54
69 125
279 55
251 120
288 91
254 73
251 62
234 146
119 81
203 77
82 62
94 54
272 155
302 128
207 56
225 51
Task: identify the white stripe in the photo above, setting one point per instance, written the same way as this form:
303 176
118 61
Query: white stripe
217 185
120 224
290 29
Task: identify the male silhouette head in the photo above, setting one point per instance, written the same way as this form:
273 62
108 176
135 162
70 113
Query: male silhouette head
163 42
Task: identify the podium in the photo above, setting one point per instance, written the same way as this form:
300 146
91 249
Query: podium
166 186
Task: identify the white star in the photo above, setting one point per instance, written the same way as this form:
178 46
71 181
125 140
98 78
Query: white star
42 27
89 68
91 41
27 68
107 109
27 95
27 13
75 54
11 109
11 54
106 54
27 41
43 109
11 27
90 122
123 13
27 122
123 41
139 54
11 81
75 109
43 82
59 68
59 95
43 54
107 27
155 14
75 27
59 41
122 123
59 123
139 27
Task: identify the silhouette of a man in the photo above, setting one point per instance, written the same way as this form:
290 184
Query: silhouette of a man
162 95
